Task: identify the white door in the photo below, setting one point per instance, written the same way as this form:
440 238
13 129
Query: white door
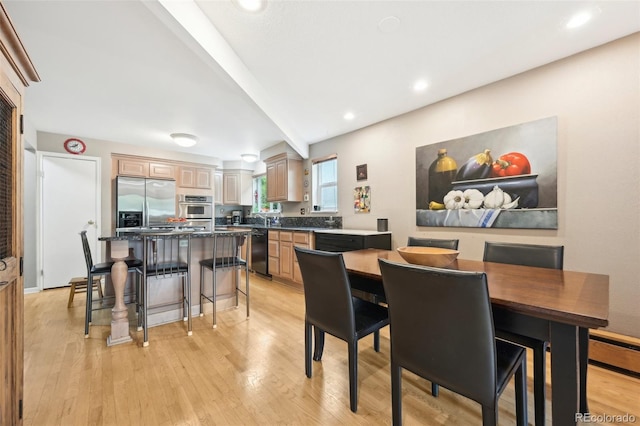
70 203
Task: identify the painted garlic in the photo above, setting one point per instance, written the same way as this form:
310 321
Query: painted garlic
473 199
498 199
454 200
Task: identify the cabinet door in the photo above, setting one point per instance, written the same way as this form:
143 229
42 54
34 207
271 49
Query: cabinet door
187 177
231 188
203 178
217 188
133 168
282 190
162 171
271 182
286 259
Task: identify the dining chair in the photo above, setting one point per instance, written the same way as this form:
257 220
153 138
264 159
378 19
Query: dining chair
331 308
166 255
433 242
542 256
102 269
441 329
227 256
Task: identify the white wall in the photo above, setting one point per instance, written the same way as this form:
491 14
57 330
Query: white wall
596 97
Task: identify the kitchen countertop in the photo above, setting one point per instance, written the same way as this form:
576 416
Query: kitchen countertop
311 229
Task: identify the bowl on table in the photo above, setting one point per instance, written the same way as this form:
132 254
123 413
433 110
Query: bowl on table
428 256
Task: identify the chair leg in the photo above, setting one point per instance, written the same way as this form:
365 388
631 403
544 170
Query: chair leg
87 310
319 337
489 416
307 348
72 292
353 374
202 290
215 290
539 382
583 341
99 285
521 394
376 340
396 394
435 389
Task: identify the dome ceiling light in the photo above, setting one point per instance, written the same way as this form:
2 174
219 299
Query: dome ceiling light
184 139
249 158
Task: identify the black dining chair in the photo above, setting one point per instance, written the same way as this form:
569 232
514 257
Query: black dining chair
331 308
441 329
542 256
165 255
102 269
433 242
227 256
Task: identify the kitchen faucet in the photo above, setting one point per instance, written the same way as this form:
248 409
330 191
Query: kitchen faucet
265 217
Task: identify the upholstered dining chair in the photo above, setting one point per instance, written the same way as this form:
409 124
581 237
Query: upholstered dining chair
227 256
101 269
165 255
433 242
441 329
331 308
542 256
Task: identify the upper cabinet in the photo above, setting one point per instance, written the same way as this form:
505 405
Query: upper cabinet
284 178
145 168
217 187
237 187
195 177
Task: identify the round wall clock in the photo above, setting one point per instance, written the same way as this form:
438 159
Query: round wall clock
75 146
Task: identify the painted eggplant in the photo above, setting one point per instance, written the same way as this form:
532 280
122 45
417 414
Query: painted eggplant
476 167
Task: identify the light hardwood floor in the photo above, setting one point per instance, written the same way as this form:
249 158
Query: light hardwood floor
245 372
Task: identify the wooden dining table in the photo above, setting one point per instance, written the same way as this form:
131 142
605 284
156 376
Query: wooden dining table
554 305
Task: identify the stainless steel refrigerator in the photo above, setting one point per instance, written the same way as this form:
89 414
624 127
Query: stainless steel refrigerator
151 202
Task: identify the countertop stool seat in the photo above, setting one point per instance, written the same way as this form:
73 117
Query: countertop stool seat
79 285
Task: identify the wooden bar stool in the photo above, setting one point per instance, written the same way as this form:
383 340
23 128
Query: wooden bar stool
79 285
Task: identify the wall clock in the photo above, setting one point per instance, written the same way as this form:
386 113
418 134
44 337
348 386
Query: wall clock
75 146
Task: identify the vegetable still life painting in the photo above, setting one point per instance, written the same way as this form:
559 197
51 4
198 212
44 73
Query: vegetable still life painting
503 178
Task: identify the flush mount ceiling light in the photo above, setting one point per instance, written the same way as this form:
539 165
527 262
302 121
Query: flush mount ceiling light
581 18
420 85
251 5
184 139
349 116
249 158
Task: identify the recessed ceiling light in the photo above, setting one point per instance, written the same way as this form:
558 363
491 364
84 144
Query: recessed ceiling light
420 85
184 139
251 5
349 116
579 19
389 24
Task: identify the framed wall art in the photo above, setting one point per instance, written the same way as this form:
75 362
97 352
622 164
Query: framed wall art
503 178
361 172
362 199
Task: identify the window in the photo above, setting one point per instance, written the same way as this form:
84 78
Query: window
324 174
260 203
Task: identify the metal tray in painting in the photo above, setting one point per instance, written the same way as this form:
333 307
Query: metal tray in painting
523 186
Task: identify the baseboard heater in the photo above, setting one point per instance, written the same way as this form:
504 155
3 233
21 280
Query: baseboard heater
615 352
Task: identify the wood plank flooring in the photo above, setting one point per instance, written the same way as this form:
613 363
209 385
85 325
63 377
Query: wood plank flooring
245 372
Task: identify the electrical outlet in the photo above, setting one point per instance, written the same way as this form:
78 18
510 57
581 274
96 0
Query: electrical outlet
302 210
306 197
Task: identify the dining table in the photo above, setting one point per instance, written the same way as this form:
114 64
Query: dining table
557 306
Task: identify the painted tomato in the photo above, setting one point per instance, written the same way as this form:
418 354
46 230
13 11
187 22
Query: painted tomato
511 164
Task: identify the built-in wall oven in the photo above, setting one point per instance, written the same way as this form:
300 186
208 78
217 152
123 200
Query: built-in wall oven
195 206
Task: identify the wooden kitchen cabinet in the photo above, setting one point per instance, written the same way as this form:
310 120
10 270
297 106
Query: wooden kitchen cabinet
217 187
237 187
162 170
284 178
132 167
195 177
282 254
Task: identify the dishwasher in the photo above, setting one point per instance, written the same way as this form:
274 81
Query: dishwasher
260 251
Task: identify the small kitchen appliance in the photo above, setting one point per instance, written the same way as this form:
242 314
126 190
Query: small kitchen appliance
236 217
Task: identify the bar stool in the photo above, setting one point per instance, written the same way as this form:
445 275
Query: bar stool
226 255
165 255
96 271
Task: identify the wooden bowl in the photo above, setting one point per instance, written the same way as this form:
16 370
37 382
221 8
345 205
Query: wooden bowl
428 256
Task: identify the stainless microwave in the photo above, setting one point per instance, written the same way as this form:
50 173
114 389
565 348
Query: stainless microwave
195 207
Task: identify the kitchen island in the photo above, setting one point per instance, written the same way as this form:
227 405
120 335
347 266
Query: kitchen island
122 244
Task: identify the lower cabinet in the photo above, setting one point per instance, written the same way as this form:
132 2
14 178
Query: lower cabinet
283 263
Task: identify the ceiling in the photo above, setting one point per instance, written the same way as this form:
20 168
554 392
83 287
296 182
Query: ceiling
136 71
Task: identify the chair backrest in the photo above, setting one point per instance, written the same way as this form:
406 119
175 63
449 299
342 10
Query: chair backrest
541 256
87 251
433 242
166 254
441 327
327 293
226 248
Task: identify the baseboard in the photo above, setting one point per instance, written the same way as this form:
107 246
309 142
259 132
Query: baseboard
615 351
